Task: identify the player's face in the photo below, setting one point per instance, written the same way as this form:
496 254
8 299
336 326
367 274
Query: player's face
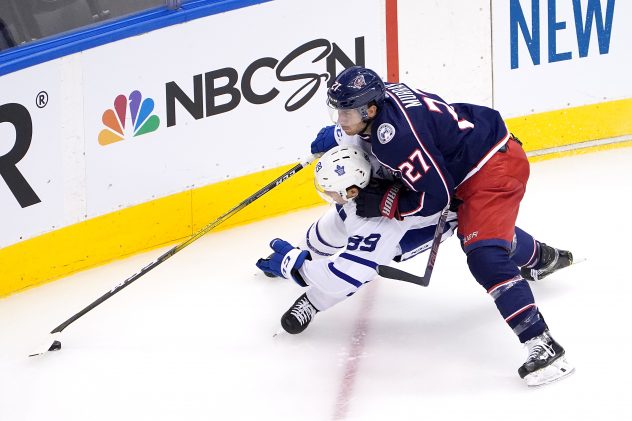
335 197
350 120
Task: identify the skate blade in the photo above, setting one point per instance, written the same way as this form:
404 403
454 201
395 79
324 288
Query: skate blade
51 343
279 332
579 260
575 262
557 370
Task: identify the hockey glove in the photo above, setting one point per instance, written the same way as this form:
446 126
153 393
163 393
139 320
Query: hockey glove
379 200
325 140
285 261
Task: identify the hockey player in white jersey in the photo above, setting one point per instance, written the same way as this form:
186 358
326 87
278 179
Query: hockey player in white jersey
341 250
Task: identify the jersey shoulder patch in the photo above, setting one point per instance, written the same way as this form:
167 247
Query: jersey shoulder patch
385 133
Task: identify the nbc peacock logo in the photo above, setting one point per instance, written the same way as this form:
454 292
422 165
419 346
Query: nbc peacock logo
131 116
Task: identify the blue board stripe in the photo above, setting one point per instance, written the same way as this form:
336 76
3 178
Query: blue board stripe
82 39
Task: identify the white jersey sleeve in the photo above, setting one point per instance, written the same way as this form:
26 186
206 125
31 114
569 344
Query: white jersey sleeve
327 236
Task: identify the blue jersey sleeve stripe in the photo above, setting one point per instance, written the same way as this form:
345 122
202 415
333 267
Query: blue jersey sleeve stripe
359 260
341 212
311 246
321 238
344 276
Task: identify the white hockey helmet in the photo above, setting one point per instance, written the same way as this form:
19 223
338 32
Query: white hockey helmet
339 169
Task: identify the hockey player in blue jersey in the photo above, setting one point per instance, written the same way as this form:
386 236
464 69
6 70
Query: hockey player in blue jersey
465 152
439 151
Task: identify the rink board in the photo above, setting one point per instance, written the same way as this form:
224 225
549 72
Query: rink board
165 131
173 218
96 198
163 221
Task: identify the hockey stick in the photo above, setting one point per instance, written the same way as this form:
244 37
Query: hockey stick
400 275
53 343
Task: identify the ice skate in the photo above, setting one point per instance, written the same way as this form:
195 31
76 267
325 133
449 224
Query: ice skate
551 260
298 317
546 362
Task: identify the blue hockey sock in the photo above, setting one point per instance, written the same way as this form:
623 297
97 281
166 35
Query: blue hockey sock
499 275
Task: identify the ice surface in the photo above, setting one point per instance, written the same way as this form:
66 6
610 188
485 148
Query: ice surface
193 339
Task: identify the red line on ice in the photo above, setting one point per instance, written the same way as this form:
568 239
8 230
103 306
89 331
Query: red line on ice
356 352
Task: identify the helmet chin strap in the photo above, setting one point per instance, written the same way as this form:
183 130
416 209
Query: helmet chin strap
368 120
366 125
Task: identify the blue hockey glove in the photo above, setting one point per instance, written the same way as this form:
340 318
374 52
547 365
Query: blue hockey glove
285 261
379 200
325 140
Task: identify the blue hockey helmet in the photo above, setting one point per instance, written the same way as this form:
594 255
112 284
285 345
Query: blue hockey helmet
356 88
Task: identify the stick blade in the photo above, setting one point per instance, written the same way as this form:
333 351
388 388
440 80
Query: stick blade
51 343
393 273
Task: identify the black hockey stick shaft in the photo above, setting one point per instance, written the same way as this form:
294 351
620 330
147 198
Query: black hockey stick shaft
165 256
400 275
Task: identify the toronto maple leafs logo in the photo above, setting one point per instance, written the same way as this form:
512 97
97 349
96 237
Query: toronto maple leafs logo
340 170
358 82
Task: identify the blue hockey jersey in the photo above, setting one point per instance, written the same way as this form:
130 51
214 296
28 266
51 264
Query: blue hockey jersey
433 146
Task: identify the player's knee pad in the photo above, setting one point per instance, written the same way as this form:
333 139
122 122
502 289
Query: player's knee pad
490 265
523 248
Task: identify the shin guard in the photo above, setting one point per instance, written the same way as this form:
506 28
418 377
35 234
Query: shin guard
495 271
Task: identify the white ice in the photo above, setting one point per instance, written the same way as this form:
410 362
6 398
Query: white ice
193 339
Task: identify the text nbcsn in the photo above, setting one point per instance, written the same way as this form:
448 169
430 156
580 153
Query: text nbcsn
221 90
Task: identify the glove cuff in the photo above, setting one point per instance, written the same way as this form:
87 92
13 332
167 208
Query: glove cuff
390 202
291 263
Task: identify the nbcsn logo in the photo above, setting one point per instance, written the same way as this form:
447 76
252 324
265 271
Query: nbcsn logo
130 117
